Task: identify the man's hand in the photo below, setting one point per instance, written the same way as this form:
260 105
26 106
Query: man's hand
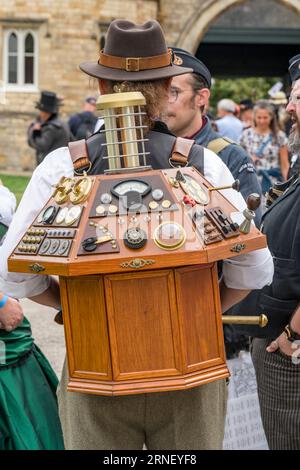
36 127
284 345
11 315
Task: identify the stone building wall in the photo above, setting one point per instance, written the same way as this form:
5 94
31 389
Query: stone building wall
69 32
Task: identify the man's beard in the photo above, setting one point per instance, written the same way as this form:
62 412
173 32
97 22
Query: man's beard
294 140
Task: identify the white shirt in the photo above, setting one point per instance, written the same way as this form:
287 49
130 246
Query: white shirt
249 271
7 205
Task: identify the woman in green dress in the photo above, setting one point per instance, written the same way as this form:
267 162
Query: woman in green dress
28 407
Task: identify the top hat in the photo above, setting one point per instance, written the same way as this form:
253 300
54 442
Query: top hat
49 102
186 59
294 67
134 52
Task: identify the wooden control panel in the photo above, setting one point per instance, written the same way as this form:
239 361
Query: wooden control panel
144 215
136 258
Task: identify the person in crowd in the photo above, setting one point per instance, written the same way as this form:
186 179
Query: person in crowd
228 124
186 117
48 132
276 348
267 145
82 125
28 406
246 113
279 100
185 419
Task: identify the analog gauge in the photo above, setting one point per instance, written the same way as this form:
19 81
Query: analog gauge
49 215
195 190
45 246
72 215
64 247
61 215
169 236
54 244
123 187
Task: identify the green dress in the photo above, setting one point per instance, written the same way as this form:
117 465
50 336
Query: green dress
28 406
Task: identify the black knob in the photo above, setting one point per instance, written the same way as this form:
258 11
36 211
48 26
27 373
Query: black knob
253 201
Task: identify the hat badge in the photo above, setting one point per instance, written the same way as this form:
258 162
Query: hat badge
177 60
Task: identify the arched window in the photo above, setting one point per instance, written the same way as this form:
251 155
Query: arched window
20 59
29 59
13 58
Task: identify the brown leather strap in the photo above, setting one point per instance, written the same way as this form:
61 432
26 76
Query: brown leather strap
79 154
135 64
181 151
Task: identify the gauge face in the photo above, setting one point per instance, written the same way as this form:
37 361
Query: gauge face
122 188
169 235
72 215
48 215
61 215
195 190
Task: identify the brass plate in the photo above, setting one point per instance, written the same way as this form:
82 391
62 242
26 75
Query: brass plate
81 190
195 190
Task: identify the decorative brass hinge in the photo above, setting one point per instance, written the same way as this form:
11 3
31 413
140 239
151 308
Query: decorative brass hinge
137 263
37 268
238 248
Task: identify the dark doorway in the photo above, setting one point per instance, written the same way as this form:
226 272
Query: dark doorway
252 52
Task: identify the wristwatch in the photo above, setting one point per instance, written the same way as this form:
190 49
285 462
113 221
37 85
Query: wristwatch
291 334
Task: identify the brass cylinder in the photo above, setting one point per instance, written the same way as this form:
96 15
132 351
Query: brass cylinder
260 320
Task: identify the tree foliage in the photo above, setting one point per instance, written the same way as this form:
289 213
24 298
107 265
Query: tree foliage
254 88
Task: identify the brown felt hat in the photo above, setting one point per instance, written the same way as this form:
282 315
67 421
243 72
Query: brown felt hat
134 52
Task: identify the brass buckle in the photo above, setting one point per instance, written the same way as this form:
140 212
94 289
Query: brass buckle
132 64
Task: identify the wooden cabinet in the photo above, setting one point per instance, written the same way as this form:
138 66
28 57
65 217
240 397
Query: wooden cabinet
143 332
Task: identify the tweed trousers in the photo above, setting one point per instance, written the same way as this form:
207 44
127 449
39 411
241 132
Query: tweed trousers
189 419
278 384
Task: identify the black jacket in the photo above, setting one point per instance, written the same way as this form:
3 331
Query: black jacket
54 134
281 224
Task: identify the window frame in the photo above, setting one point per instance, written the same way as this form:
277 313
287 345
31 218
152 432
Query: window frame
20 86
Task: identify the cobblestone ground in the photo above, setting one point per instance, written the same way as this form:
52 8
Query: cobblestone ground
48 335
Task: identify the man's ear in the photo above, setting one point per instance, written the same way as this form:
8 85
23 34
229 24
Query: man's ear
202 97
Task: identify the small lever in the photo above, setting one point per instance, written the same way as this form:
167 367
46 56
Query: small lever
235 185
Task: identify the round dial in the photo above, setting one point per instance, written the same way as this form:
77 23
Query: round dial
195 190
61 215
72 215
169 235
49 214
122 188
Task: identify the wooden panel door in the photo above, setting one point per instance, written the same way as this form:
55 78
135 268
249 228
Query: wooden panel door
200 316
86 327
143 325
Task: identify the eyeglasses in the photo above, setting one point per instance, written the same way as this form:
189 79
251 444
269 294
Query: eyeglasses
294 99
174 93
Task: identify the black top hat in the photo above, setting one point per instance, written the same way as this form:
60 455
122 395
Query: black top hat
186 59
294 67
49 102
134 52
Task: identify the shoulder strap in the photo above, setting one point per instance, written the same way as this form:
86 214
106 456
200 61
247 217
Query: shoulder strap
79 154
219 144
181 152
